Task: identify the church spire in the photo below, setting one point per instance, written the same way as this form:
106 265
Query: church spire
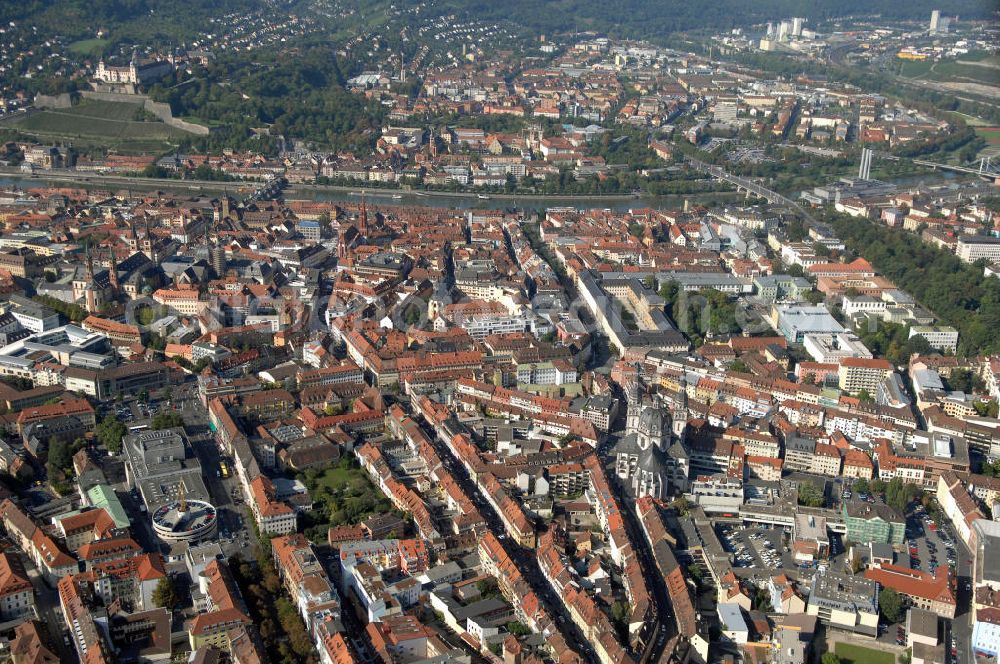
90 264
637 389
149 246
112 270
680 411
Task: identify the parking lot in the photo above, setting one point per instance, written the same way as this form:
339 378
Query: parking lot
133 410
758 548
929 547
759 551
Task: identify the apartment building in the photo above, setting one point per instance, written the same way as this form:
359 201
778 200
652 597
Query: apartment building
856 374
17 596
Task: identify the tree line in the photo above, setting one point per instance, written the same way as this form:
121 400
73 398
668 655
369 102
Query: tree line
958 293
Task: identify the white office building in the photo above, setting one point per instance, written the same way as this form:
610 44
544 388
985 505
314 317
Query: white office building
972 248
832 348
941 337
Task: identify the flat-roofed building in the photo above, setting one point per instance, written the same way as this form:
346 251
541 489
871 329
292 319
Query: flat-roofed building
972 248
734 626
810 537
795 321
857 374
940 337
158 465
831 348
844 601
33 316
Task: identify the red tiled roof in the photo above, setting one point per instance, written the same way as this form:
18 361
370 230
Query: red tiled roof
914 583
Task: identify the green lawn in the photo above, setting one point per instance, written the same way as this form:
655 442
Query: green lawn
852 654
88 47
202 122
981 56
336 477
343 494
915 68
951 70
970 120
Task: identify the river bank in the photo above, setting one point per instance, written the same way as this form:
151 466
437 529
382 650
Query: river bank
337 193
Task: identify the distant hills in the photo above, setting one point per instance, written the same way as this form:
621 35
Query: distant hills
166 19
657 18
173 20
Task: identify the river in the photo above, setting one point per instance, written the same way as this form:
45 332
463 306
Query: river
384 197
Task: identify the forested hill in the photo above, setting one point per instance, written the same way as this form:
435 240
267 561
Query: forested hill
649 19
143 18
656 18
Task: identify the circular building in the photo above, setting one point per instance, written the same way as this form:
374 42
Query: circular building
185 521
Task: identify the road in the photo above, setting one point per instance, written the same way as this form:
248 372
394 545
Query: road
49 612
354 631
665 623
225 493
961 626
603 360
978 170
525 559
664 620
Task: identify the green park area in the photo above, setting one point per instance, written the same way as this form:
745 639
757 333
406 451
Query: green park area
334 478
342 495
986 72
915 68
854 654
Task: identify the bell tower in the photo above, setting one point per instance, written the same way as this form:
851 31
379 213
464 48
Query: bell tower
148 244
680 409
113 271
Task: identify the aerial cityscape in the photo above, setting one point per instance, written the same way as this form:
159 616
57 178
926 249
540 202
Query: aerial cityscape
455 332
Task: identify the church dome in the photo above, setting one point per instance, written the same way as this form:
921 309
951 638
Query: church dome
653 421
